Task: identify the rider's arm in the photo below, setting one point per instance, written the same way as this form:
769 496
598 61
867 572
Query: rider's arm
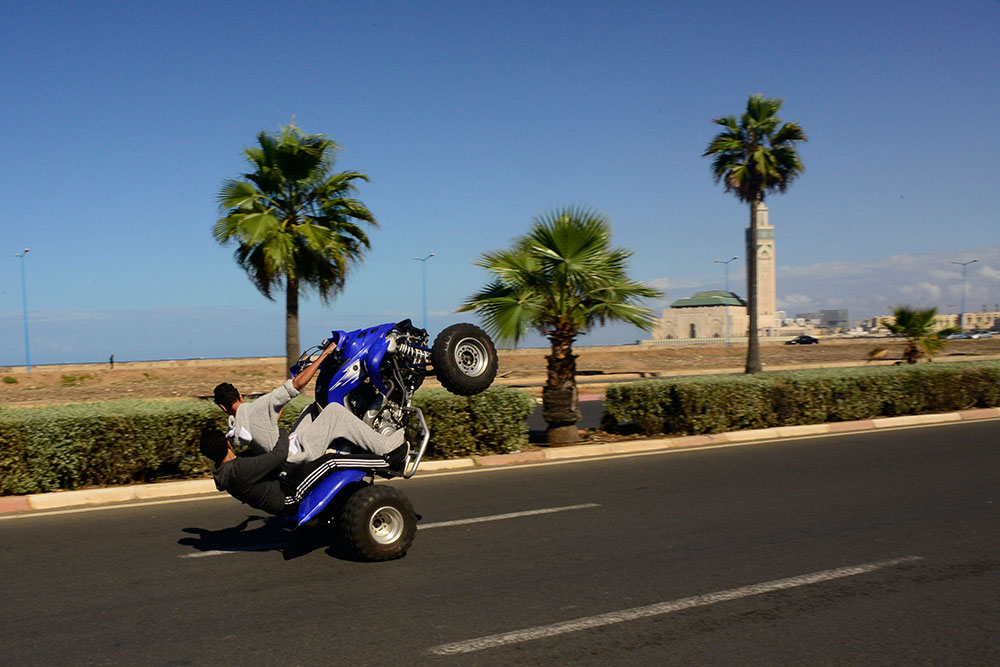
303 378
252 469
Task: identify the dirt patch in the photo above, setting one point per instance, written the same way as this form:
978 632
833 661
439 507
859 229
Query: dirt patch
597 367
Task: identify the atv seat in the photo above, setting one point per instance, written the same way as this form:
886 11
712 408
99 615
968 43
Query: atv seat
304 478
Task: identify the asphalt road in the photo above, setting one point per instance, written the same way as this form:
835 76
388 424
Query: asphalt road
877 548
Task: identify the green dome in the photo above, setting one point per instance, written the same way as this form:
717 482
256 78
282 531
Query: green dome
709 298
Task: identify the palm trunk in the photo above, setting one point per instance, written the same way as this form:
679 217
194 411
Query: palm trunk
292 349
753 338
559 396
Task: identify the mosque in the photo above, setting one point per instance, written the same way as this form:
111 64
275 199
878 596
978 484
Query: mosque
717 315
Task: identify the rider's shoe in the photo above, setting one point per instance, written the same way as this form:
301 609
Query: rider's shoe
397 457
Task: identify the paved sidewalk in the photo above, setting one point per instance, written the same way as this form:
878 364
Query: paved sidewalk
139 492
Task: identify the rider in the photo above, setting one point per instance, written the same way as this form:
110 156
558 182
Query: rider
255 424
260 480
253 478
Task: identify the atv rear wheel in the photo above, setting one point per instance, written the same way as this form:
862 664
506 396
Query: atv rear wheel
464 359
378 523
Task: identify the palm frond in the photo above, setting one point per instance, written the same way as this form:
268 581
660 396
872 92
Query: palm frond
756 154
561 278
292 215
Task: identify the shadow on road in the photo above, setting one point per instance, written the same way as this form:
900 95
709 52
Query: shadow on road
270 535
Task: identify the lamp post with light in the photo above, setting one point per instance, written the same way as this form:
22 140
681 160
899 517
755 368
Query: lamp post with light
24 308
725 263
961 315
423 262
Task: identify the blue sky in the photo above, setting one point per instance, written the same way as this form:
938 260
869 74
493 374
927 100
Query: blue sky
122 120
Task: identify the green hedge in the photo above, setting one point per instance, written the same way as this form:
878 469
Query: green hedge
117 442
102 443
492 422
716 404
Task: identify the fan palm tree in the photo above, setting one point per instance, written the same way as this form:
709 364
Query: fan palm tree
918 328
294 220
560 279
753 155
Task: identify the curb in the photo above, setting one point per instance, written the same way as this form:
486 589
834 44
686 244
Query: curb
133 492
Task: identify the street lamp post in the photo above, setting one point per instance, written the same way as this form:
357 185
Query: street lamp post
24 308
725 263
961 315
423 262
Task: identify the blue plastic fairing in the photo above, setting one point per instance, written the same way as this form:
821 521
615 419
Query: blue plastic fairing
328 487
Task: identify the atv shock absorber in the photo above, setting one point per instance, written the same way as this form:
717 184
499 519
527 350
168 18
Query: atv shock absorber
413 353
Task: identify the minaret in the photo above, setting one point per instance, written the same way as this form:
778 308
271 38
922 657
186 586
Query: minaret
766 306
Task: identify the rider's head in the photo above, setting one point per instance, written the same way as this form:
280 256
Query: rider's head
226 395
214 445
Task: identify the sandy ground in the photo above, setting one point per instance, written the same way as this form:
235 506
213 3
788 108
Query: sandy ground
596 366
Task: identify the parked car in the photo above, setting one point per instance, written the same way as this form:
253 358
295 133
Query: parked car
969 335
802 340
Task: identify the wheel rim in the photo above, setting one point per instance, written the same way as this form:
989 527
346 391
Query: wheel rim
471 357
386 525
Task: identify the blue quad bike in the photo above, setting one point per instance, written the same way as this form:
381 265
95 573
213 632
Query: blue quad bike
374 373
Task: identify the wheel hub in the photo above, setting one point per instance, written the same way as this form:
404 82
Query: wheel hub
386 525
471 357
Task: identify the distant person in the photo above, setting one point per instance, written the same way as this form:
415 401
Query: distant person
255 424
111 361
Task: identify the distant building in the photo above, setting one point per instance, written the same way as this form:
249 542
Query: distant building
704 315
767 321
827 319
834 320
970 321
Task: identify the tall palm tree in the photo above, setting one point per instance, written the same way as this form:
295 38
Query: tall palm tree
755 154
294 220
918 328
560 279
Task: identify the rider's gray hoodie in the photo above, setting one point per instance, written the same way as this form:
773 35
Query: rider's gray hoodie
256 423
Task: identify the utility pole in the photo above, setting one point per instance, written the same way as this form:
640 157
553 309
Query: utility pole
24 308
423 262
725 263
961 315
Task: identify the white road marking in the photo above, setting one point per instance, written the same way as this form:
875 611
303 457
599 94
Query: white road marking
439 524
510 515
237 550
586 623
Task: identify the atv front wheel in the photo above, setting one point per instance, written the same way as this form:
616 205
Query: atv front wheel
378 523
464 359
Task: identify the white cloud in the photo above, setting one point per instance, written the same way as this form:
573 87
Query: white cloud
922 292
987 272
680 284
795 302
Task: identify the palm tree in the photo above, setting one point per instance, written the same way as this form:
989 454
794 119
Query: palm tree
294 220
753 155
560 279
918 328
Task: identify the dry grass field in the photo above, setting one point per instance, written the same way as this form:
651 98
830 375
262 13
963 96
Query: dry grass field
597 367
